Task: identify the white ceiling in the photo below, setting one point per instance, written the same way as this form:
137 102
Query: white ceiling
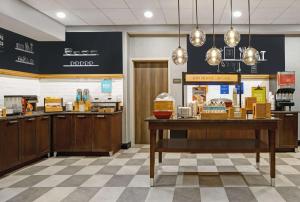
130 12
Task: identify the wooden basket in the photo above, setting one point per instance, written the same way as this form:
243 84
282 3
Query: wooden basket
214 116
231 113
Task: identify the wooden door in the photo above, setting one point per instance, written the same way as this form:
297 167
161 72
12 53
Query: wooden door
63 137
101 134
43 135
83 125
150 79
28 142
9 144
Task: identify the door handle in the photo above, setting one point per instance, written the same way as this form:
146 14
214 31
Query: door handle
13 122
289 115
31 119
61 117
100 116
81 116
45 117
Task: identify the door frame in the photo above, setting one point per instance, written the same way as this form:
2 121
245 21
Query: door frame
130 85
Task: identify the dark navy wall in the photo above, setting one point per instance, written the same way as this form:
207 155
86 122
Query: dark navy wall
274 55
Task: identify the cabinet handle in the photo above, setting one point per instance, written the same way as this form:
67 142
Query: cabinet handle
31 119
289 114
13 122
45 117
81 116
100 116
61 117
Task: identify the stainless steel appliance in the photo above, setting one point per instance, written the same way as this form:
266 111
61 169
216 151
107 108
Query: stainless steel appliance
17 104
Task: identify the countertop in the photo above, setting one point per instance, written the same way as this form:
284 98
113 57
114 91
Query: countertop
285 112
42 113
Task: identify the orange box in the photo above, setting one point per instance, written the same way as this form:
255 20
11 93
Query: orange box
261 110
249 103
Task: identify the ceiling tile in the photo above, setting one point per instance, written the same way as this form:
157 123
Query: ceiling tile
43 4
145 4
76 4
275 3
92 16
172 16
158 16
167 4
121 16
70 19
263 15
110 3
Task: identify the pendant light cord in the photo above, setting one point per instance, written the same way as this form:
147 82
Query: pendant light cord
231 14
179 24
249 23
197 14
213 23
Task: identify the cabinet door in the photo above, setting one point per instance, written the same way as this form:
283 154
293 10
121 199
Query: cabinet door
28 142
102 133
289 136
83 126
9 144
63 137
43 135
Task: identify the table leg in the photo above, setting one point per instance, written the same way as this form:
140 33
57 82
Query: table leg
271 134
257 146
152 155
160 136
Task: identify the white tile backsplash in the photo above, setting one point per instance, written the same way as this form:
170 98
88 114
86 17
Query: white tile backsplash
65 88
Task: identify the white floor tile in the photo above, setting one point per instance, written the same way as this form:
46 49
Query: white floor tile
223 162
207 169
84 162
204 156
56 194
213 194
128 170
188 162
159 194
266 194
49 162
169 168
89 170
291 161
172 156
281 181
97 181
108 194
8 193
52 181
140 181
141 156
11 179
50 170
247 169
118 162
286 169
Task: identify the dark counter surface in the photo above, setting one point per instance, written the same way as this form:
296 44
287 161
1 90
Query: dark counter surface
284 112
42 113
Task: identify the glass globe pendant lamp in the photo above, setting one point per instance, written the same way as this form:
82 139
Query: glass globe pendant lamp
179 55
213 55
197 36
250 54
232 37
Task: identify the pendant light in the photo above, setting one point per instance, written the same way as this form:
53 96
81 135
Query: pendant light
197 36
179 55
213 55
250 55
232 36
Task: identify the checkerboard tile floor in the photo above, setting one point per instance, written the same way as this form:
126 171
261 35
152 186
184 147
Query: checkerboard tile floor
181 177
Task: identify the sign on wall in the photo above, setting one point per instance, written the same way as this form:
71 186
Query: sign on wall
271 56
106 86
83 53
18 52
224 89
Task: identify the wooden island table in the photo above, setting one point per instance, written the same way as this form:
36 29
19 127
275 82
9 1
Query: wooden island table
255 145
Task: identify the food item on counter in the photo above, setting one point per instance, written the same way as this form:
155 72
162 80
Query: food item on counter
227 102
53 104
184 112
163 106
237 113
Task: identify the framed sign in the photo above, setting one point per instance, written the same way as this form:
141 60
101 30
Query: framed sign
224 89
106 86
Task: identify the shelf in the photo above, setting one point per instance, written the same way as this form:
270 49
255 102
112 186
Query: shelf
24 50
27 63
209 146
240 60
80 55
80 65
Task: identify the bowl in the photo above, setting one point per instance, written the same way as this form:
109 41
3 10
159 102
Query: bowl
162 114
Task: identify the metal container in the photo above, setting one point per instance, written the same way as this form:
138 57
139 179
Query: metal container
184 112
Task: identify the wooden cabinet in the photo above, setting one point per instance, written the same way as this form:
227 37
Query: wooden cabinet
43 135
63 138
28 141
9 144
101 133
287 134
83 129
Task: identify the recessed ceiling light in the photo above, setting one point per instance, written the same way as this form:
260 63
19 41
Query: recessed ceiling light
60 15
237 14
148 14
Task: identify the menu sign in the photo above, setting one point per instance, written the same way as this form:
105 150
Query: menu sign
286 79
17 52
222 78
83 53
271 55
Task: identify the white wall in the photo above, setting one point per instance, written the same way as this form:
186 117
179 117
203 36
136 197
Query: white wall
292 63
10 85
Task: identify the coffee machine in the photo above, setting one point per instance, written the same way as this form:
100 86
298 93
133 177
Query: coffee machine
285 90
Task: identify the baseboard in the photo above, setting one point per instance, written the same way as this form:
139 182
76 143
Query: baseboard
298 142
126 145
